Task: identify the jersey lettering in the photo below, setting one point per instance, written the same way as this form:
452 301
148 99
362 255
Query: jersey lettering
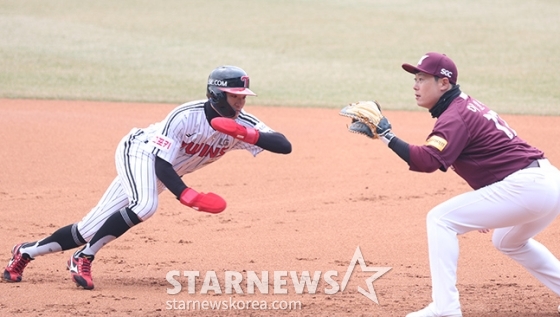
203 150
500 124
491 115
223 142
475 106
161 142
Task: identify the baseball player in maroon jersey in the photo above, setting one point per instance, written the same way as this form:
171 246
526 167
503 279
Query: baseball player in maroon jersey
516 189
151 159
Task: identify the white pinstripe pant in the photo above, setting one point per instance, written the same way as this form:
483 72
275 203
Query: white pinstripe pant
136 186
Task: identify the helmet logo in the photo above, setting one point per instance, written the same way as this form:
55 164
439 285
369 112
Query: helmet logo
245 80
217 82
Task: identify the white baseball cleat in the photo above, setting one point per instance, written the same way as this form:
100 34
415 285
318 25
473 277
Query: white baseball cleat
428 312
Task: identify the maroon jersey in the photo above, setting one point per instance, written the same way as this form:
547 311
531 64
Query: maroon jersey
477 143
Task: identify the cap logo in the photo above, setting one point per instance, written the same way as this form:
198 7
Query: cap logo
422 59
446 72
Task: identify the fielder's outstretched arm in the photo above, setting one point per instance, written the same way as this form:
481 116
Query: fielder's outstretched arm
418 158
398 146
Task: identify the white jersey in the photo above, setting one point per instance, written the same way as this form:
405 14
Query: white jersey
187 141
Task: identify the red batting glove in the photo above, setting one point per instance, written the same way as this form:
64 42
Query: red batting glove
230 127
210 202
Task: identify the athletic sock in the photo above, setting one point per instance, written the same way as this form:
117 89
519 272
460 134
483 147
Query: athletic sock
116 225
65 238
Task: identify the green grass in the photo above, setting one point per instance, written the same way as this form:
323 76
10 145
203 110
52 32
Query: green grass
298 53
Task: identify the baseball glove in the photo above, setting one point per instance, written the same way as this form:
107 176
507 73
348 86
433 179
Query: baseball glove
366 119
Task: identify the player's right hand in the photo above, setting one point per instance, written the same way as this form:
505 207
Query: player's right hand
209 202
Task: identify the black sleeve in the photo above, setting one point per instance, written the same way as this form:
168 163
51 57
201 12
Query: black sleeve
401 148
274 142
167 175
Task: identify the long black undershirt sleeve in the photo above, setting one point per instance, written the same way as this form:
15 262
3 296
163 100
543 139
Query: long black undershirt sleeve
274 142
167 175
401 148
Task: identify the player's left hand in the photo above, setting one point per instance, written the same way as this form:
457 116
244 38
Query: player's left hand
484 230
367 119
383 127
209 202
231 127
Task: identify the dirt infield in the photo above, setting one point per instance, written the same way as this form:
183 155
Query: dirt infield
307 211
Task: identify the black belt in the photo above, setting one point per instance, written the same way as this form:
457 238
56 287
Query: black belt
533 164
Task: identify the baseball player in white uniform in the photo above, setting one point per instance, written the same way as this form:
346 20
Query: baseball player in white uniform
151 159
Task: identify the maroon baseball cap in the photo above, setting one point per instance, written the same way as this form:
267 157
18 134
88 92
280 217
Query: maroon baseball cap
435 64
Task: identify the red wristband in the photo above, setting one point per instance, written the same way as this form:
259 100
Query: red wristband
188 197
252 136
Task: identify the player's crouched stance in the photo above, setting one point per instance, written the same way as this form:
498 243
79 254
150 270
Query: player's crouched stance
151 159
516 189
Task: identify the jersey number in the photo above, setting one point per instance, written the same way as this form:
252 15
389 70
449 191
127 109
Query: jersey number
500 124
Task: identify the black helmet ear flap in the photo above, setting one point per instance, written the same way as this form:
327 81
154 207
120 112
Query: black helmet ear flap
218 102
214 94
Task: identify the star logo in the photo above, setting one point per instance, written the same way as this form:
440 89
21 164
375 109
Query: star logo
380 270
